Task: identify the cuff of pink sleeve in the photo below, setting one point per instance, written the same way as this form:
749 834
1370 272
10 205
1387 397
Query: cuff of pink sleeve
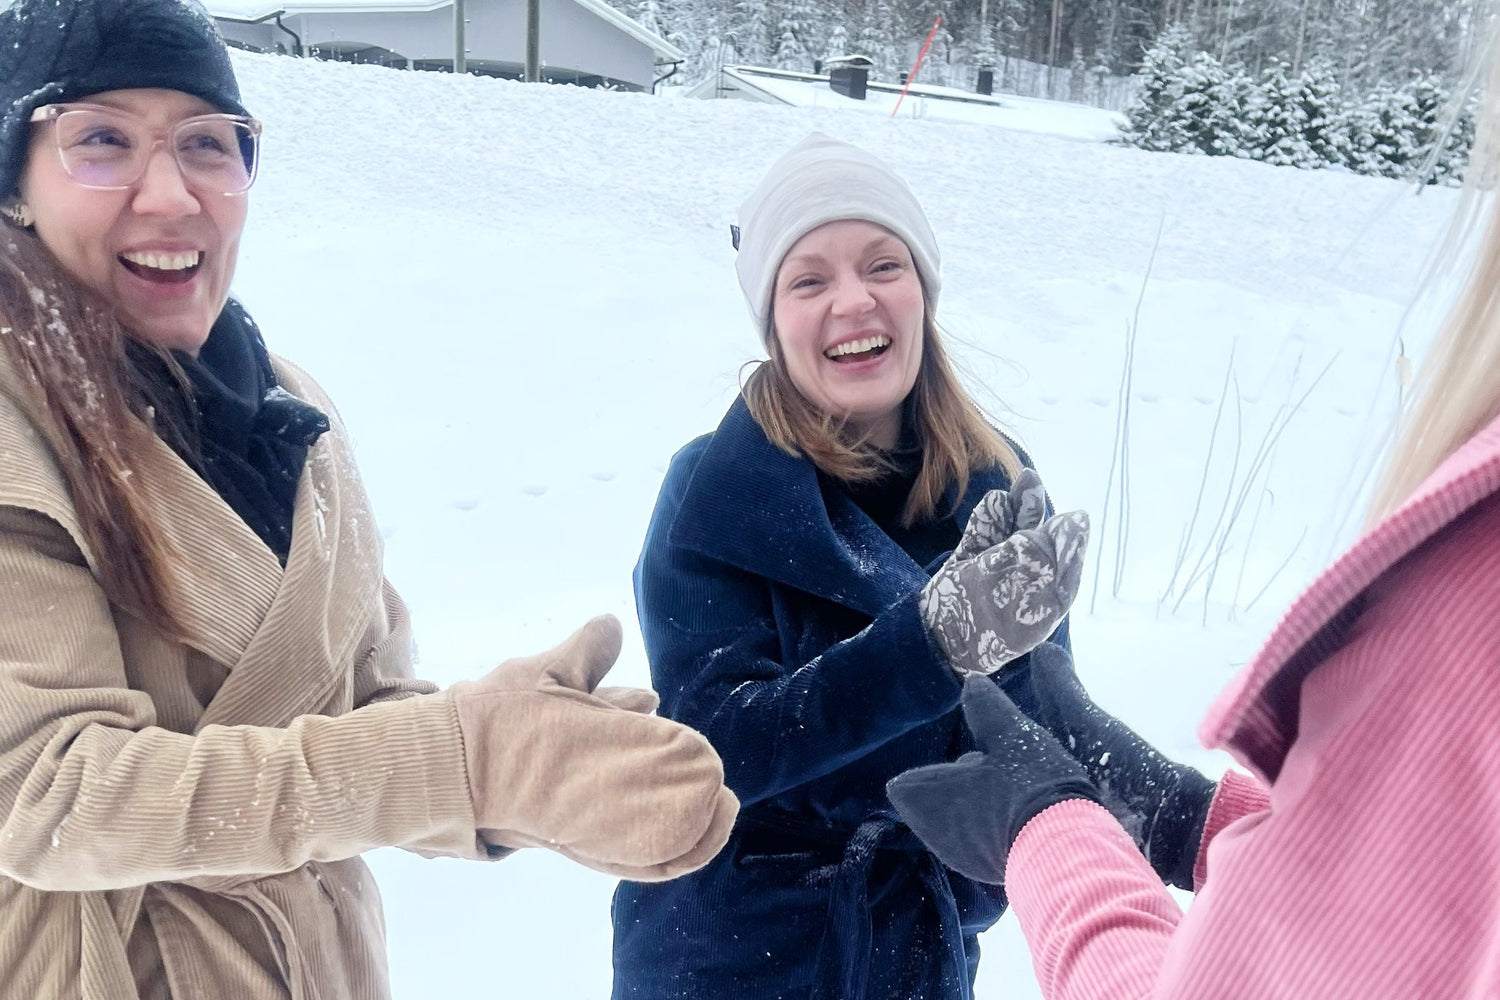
1043 845
1238 795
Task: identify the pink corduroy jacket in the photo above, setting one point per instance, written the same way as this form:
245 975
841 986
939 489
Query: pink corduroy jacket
1373 871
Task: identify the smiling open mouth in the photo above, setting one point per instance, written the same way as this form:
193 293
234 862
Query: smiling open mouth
858 350
163 268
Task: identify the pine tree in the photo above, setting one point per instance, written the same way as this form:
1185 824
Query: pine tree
750 33
1276 122
838 43
940 54
876 38
1319 108
1151 116
1010 16
1210 112
1382 133
1453 160
1442 135
648 16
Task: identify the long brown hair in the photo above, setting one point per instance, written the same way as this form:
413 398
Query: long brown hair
66 343
955 437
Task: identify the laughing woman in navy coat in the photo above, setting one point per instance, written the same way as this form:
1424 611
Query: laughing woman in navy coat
812 581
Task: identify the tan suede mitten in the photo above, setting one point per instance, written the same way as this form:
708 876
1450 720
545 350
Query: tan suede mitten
554 763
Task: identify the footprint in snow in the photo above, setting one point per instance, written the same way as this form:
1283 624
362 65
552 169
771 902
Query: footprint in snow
603 477
534 490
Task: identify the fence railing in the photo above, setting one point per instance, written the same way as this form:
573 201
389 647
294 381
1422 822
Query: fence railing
1030 79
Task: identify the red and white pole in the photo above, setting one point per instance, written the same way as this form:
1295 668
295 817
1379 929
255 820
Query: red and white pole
920 56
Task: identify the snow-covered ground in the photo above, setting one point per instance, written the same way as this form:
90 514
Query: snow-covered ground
523 299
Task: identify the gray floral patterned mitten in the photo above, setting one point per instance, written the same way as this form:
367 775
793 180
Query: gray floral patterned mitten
986 610
1001 513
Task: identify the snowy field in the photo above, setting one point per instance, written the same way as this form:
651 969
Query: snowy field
523 300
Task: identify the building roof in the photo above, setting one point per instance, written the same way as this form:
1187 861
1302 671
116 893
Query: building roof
932 102
257 10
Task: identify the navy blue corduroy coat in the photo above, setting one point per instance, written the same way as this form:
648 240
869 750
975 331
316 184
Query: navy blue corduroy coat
782 623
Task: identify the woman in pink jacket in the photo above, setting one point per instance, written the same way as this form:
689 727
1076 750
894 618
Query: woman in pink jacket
1372 713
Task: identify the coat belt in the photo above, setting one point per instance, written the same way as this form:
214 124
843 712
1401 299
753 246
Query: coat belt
843 970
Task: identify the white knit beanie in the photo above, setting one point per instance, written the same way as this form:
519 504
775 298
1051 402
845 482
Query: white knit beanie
823 180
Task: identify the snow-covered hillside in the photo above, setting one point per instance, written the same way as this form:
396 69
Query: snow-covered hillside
523 300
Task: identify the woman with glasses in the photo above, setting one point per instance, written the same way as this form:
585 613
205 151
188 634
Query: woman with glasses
207 709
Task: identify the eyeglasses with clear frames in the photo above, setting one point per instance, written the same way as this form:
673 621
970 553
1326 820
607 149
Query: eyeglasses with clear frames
108 149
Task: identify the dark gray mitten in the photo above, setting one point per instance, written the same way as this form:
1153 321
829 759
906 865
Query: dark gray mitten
1161 803
989 609
969 812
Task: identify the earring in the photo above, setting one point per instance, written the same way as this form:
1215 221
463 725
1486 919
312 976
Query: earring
18 214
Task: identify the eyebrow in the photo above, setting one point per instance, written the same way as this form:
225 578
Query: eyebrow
878 243
115 104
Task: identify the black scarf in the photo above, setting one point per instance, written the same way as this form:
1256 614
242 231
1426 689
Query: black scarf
245 435
884 500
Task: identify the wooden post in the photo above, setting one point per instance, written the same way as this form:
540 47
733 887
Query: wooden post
533 41
460 61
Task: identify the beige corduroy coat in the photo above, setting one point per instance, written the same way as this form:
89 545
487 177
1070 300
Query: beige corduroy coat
185 820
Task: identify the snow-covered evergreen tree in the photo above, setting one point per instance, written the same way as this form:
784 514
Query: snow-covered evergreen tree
1453 160
876 37
1276 121
1320 109
940 53
648 16
1381 133
837 44
790 53
1212 107
1152 119
750 33
1009 18
1443 133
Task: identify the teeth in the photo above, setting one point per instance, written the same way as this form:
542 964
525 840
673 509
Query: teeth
179 261
857 346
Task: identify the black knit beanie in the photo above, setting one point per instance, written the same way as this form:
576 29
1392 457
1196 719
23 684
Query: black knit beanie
52 51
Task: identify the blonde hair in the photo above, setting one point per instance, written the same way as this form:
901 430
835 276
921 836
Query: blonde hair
1457 391
955 437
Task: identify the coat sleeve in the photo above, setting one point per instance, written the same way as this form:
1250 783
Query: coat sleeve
715 653
1097 916
1237 795
1358 881
95 796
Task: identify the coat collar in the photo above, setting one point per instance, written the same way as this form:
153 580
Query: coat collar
753 506
302 646
1255 718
